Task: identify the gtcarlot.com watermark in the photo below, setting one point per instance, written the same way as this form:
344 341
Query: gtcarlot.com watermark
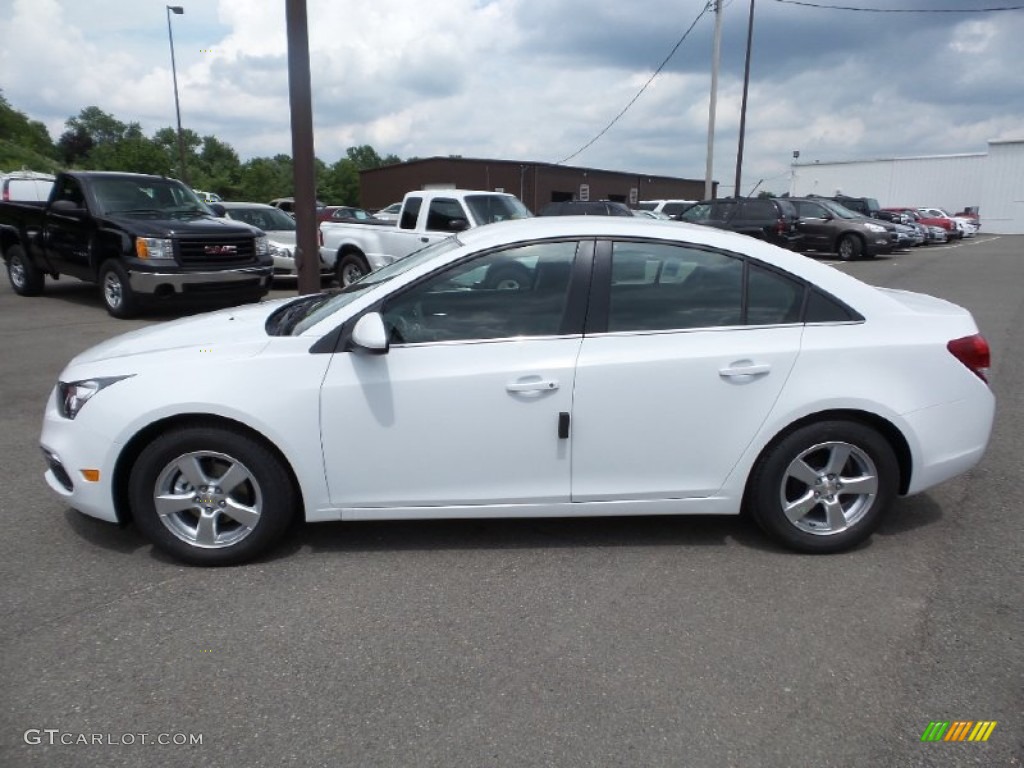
57 737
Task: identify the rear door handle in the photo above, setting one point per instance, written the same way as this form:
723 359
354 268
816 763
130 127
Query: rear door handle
532 384
743 368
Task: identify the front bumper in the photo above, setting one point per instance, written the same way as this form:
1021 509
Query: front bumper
240 280
69 447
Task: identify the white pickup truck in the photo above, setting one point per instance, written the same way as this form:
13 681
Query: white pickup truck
426 217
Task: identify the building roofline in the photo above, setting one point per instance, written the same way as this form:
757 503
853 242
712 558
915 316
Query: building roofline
529 163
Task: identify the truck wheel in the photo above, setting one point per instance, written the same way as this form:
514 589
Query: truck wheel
849 247
508 277
118 296
350 268
25 277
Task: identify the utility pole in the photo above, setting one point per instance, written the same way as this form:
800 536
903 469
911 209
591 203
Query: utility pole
307 250
709 184
743 104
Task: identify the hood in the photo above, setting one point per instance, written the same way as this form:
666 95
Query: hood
170 227
238 331
282 238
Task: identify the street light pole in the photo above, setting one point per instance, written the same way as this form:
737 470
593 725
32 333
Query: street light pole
177 9
743 105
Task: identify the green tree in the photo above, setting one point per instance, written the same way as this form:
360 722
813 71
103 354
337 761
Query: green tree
339 184
19 130
264 178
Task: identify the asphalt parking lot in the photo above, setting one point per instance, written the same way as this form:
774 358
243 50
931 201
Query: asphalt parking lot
632 642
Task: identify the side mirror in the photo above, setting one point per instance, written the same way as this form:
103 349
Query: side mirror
370 335
67 207
218 210
458 225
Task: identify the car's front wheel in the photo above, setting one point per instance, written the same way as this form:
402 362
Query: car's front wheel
849 247
211 496
824 487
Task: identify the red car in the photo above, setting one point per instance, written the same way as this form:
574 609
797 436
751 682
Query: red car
347 214
953 232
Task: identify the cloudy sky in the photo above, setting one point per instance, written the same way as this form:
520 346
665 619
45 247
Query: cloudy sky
538 79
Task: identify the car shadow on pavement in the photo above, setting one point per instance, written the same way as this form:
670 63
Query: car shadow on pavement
909 514
682 531
535 533
86 295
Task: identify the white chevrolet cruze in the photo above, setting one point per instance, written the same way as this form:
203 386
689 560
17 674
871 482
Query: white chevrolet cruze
559 366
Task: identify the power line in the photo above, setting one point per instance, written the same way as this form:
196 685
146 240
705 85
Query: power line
996 9
642 89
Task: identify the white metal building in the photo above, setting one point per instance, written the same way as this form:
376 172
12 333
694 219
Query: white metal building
993 181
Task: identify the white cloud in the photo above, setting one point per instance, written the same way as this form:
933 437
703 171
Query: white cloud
518 79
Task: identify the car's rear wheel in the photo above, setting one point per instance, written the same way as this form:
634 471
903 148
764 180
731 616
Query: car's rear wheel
210 496
25 277
351 267
118 296
849 247
824 487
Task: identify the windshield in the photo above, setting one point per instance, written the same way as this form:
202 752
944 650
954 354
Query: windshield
267 218
143 196
839 210
488 209
313 313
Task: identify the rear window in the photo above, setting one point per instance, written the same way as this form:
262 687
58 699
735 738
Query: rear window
759 209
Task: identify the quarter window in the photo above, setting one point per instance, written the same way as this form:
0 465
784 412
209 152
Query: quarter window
518 292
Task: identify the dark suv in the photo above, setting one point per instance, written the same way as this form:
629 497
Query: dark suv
766 218
586 208
833 228
865 206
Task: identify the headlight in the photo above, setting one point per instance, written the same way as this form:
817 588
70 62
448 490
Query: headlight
154 248
72 395
277 250
262 246
874 228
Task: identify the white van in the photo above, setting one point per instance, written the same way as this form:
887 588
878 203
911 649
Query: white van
669 207
25 186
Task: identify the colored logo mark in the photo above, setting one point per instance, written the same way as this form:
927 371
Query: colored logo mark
959 730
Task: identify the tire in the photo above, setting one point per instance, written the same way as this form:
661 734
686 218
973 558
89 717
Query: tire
508 277
824 487
202 521
25 277
849 247
351 267
116 290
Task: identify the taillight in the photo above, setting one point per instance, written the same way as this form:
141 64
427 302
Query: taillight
780 226
973 352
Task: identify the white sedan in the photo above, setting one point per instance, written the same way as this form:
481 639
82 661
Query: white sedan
556 367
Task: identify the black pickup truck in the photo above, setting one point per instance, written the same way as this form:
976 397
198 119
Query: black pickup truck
141 238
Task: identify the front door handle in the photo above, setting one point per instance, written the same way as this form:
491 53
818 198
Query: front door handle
744 369
532 384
